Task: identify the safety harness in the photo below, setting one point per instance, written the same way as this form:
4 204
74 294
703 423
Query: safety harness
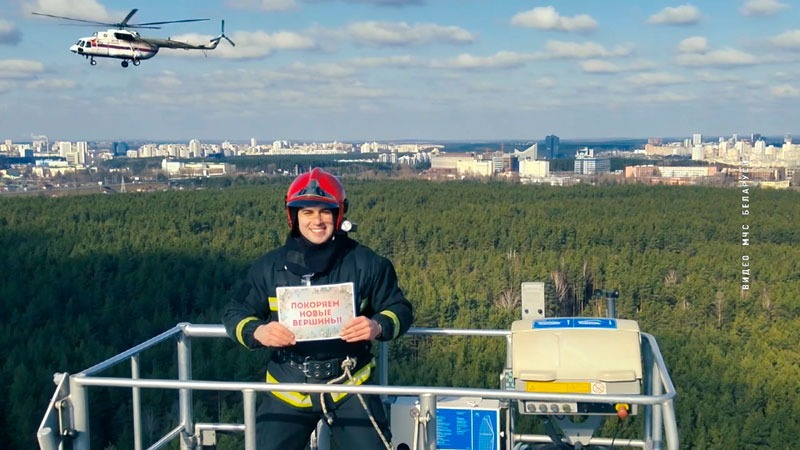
347 365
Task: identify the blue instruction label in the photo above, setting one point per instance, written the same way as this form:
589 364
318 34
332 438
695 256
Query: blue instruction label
467 429
574 323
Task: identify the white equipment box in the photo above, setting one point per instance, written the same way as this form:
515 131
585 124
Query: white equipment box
576 355
461 423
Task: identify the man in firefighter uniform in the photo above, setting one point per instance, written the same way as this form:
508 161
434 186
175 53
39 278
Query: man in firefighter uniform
318 252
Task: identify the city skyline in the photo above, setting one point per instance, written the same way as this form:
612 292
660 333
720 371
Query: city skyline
409 69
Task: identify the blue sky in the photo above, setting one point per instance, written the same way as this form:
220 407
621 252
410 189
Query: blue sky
409 69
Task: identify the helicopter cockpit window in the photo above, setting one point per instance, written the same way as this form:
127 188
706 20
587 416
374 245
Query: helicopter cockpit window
123 37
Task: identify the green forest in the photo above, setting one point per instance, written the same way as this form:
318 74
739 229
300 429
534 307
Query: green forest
85 277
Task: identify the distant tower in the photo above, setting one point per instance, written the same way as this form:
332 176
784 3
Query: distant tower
120 148
194 148
252 142
787 138
64 148
697 139
551 145
122 186
82 150
755 137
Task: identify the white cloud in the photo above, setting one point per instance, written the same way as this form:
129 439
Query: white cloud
679 15
640 65
377 2
762 7
166 80
20 69
544 83
710 77
585 50
51 84
396 61
79 9
401 33
328 71
547 18
781 75
664 97
655 79
599 66
500 60
486 86
784 91
249 44
695 44
724 57
789 39
9 34
262 5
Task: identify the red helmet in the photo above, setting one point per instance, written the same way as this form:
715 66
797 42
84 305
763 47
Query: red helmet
316 188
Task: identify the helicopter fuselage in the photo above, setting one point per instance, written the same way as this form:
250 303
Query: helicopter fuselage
120 44
126 44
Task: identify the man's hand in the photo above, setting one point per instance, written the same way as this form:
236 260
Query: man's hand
361 329
274 334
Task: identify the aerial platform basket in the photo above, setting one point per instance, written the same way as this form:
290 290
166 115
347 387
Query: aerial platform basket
66 421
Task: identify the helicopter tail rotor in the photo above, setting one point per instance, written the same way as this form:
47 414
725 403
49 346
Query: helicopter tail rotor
222 36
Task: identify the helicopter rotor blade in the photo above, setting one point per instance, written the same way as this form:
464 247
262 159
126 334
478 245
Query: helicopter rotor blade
168 21
222 35
92 22
124 22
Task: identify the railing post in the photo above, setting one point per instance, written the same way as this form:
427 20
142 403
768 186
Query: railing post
509 351
137 404
249 401
657 418
185 395
647 388
670 425
427 417
383 363
80 414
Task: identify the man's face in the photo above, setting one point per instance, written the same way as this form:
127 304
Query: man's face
315 223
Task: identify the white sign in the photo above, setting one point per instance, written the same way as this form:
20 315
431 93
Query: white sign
315 313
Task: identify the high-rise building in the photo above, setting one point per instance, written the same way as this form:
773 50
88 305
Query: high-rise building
697 139
194 148
587 164
120 148
551 146
755 137
533 168
252 142
82 150
64 148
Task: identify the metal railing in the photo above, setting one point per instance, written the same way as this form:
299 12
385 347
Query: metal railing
67 416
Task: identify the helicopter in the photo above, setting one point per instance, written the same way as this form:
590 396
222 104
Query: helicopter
124 43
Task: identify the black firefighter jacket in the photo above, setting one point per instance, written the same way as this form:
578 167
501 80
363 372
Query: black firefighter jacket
377 296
